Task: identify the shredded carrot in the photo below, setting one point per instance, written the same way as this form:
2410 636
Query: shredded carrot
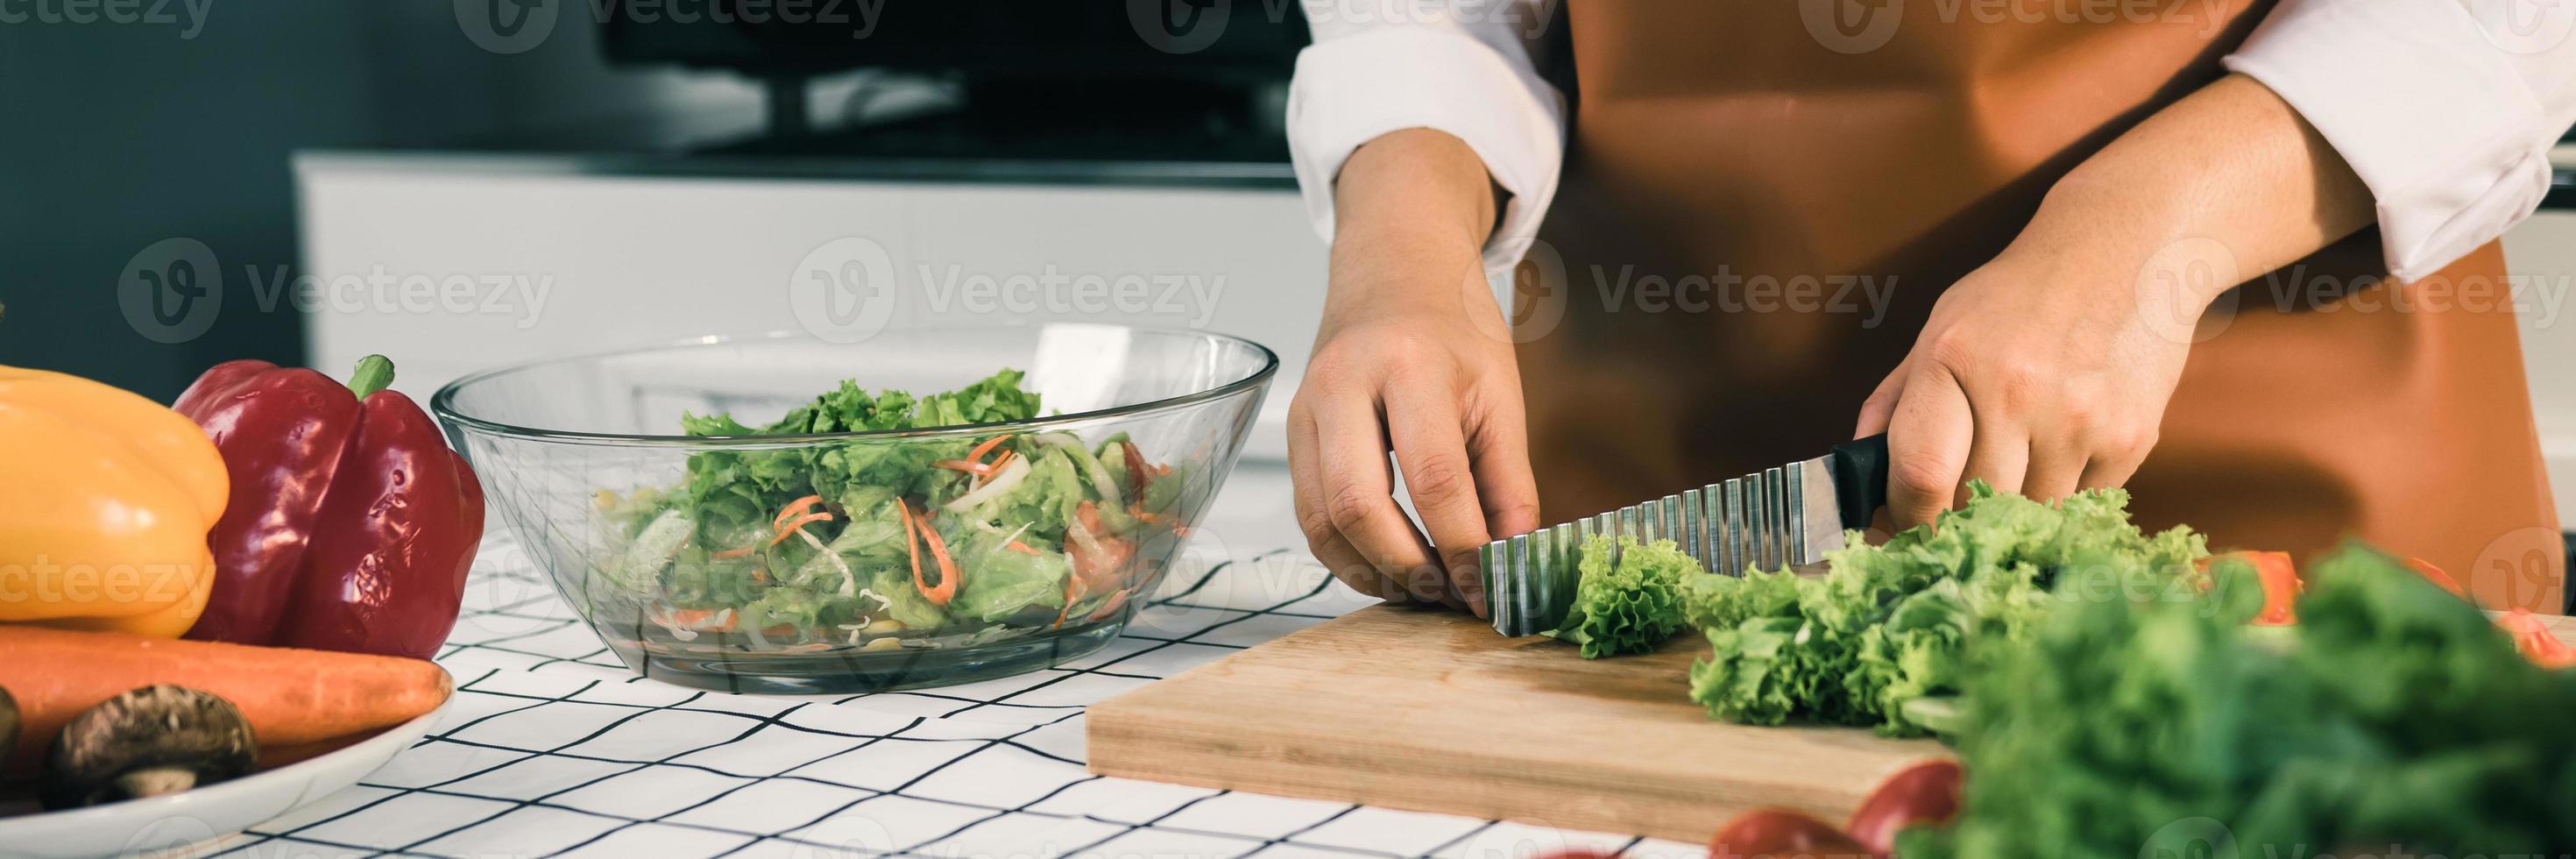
975 468
912 546
1138 511
1070 584
779 523
690 618
1022 548
1110 606
791 527
977 455
947 589
779 527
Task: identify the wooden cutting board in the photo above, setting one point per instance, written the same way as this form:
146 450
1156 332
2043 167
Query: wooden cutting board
1431 711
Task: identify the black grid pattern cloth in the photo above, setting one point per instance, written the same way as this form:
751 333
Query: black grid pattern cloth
553 748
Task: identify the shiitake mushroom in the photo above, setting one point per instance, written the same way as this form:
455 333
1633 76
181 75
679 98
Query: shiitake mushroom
156 740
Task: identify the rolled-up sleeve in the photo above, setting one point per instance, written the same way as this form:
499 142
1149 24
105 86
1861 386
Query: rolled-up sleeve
1464 68
2446 109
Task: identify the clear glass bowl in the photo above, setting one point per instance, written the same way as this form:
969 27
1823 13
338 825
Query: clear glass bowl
633 521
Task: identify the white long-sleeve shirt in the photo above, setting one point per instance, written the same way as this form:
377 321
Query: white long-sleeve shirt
2446 109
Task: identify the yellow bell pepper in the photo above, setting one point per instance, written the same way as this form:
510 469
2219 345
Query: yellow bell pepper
105 501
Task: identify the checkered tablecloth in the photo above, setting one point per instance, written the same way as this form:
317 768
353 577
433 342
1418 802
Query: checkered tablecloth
552 747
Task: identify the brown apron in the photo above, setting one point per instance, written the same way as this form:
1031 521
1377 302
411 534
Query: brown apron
1753 225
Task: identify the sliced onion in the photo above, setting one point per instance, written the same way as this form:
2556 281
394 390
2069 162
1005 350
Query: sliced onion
1001 483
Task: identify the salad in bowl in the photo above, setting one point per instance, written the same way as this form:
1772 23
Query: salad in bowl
863 538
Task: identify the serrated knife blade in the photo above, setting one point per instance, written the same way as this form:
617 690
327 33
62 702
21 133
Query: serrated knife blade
1777 517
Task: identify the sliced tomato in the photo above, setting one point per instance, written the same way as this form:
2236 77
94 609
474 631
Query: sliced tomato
2536 643
2436 576
2279 577
1139 475
1098 558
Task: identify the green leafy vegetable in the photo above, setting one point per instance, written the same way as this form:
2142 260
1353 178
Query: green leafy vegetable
1629 597
1887 626
2393 720
817 543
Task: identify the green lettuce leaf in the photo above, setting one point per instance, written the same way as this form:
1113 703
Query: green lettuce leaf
1890 624
2395 719
1629 598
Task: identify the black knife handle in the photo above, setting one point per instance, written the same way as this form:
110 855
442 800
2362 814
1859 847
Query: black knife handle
1860 479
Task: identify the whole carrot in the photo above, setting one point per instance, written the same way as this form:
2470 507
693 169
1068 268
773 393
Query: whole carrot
289 695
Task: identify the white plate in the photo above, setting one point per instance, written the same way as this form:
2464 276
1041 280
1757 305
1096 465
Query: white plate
165 823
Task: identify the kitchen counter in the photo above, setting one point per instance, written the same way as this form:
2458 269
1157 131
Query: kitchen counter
552 747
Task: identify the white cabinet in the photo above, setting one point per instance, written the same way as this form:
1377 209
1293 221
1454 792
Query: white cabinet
450 264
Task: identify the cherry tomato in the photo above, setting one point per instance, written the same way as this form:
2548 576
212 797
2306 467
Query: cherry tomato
1779 833
1926 792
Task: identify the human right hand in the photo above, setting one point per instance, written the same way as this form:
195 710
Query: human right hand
1413 358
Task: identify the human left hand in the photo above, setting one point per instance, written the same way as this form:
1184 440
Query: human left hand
2041 372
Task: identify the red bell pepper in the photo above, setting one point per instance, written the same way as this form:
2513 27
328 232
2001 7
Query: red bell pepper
351 523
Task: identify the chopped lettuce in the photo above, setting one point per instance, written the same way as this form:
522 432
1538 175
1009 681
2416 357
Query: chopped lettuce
1888 626
2393 720
1003 507
1630 596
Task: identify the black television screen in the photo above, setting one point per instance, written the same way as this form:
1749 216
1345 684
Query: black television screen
1238 41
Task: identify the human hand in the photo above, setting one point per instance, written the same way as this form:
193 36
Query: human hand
1411 369
2042 372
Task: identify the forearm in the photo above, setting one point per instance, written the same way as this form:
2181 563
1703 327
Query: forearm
1410 208
2229 178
